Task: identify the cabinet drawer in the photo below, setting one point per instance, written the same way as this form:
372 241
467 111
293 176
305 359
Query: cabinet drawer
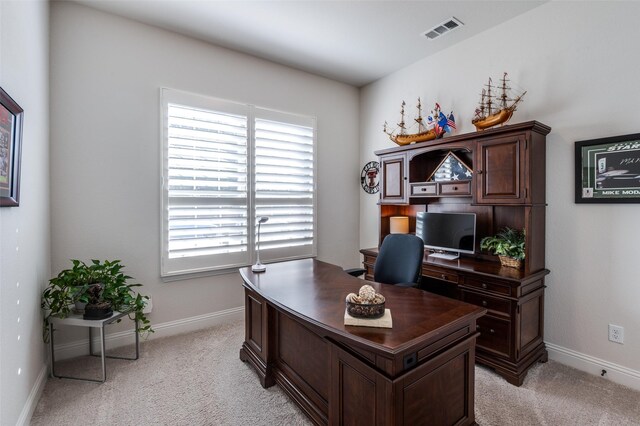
488 285
456 188
440 274
498 305
424 189
495 335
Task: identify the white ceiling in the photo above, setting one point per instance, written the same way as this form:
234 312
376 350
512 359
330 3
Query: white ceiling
355 42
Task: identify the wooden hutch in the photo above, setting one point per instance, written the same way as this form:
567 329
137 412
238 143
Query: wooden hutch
507 188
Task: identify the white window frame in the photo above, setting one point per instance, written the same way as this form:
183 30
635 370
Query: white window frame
206 265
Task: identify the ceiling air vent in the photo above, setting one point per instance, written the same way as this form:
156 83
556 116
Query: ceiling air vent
443 28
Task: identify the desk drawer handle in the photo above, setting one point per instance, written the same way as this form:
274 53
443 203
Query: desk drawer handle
491 330
444 277
484 285
423 189
484 303
477 327
455 188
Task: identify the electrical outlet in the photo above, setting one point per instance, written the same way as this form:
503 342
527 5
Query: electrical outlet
148 307
616 333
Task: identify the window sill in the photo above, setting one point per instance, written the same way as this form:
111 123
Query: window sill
183 276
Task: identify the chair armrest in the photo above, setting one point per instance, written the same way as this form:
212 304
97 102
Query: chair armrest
355 272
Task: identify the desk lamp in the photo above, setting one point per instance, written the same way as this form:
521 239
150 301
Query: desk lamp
259 267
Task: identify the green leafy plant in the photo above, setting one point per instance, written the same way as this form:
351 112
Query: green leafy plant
508 242
78 284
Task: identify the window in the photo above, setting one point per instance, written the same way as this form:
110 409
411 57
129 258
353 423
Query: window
225 165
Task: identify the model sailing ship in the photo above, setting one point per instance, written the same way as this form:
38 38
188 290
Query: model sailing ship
436 126
487 115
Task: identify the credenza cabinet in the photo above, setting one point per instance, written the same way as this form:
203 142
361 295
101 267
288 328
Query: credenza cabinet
506 188
512 331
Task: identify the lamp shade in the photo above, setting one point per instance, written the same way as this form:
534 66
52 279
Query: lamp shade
399 225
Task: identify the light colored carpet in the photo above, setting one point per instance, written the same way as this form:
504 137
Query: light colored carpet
198 379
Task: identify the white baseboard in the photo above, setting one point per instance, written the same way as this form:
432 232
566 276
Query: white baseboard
34 397
616 373
171 328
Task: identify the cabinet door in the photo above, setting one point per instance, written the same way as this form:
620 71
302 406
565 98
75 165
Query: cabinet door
394 179
500 170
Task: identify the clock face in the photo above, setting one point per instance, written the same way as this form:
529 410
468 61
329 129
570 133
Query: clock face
369 177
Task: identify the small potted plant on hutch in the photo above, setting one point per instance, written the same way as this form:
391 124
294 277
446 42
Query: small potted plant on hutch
102 286
508 244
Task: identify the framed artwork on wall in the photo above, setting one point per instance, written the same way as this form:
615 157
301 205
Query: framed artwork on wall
608 170
10 150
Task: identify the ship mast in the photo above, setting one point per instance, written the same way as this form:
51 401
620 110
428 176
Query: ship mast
418 120
401 123
489 97
480 113
503 97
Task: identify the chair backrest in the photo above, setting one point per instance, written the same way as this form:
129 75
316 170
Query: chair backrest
399 259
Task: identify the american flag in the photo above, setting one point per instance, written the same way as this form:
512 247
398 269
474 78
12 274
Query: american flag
451 121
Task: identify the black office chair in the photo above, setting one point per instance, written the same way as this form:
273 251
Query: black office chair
399 261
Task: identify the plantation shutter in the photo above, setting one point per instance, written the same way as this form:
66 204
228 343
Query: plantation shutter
223 166
206 196
285 184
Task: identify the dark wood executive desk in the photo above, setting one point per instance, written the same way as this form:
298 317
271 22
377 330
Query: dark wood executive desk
420 372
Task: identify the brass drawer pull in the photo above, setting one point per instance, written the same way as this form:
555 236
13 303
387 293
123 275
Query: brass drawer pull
484 285
491 330
484 303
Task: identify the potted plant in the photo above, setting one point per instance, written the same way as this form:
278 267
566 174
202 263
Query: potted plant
102 286
508 244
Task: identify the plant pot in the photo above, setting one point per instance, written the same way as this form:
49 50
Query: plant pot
97 311
510 262
79 307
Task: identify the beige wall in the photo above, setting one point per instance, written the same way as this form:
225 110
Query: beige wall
580 71
106 73
24 230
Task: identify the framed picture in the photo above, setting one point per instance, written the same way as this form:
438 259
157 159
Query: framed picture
608 170
10 152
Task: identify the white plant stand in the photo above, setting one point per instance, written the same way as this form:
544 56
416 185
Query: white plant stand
78 321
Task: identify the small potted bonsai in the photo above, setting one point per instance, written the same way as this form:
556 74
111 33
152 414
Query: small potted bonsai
508 244
97 308
102 286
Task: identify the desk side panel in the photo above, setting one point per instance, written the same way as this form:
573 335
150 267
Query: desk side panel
440 391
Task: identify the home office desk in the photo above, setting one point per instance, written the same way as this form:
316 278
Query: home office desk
420 372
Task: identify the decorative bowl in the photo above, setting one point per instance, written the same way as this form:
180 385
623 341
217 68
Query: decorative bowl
361 310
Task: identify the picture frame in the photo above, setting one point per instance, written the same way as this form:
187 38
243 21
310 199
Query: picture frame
11 117
607 170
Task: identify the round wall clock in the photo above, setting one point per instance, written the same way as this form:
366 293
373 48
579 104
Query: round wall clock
369 177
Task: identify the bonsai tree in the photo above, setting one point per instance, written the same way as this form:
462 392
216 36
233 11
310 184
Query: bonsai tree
101 284
508 243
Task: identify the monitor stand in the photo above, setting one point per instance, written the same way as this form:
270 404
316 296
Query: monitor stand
444 255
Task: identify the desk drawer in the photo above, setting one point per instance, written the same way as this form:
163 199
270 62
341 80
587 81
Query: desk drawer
495 335
456 188
440 274
424 190
488 285
495 304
